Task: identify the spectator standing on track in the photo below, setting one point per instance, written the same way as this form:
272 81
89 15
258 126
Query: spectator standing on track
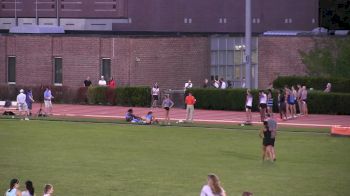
13 191
29 189
213 187
304 100
248 106
111 83
282 104
300 103
269 102
87 82
48 190
190 101
155 92
47 100
29 101
262 104
167 105
102 81
22 105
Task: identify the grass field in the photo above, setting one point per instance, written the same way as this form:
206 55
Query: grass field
81 158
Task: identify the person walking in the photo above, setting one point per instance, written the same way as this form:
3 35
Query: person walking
190 100
47 100
155 92
29 101
213 187
13 190
22 105
29 189
167 105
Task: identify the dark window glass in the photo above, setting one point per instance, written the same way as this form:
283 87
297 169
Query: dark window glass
106 69
11 69
58 70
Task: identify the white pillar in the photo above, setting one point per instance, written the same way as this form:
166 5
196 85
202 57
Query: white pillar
248 43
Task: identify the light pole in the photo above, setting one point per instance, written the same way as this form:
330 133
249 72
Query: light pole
16 21
248 43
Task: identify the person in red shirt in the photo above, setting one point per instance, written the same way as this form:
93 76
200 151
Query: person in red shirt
190 101
111 83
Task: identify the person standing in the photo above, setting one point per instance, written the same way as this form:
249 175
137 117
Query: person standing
282 105
48 190
29 189
272 125
269 102
300 103
304 100
13 191
190 101
29 101
87 82
22 105
265 134
206 83
155 92
248 107
167 105
213 187
188 85
102 81
328 88
262 104
47 100
223 84
111 83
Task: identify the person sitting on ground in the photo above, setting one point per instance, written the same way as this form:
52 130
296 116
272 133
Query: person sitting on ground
213 188
29 189
150 119
130 117
13 191
48 190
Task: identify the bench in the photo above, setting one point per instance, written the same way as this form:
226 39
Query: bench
12 108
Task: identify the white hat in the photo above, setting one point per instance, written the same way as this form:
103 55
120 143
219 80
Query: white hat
21 91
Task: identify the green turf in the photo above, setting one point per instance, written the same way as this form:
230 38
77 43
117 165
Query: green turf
81 158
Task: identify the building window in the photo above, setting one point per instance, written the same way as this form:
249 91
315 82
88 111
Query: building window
11 69
57 66
106 68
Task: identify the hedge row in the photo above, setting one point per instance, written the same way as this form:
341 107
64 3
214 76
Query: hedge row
124 96
234 99
340 85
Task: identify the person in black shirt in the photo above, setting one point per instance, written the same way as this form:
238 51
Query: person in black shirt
87 82
282 104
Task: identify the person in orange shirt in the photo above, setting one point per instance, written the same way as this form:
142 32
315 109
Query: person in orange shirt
190 101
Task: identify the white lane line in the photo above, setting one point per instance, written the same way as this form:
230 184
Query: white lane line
200 120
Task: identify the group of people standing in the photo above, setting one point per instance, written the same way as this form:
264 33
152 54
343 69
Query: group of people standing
25 102
287 100
101 82
29 189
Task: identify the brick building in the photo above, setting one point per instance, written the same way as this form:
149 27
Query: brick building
139 42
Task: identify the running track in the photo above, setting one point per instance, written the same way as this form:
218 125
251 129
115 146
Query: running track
203 116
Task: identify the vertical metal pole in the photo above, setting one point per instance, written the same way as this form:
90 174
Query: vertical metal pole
36 12
16 21
57 18
248 41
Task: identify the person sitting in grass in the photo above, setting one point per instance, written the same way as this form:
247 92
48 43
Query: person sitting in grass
130 117
150 119
48 190
13 191
213 188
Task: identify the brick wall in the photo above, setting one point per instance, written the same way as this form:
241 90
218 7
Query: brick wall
279 56
134 61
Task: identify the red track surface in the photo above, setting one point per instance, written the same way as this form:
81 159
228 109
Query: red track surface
205 116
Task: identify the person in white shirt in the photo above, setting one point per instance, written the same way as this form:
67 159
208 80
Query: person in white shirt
262 104
102 81
223 84
22 104
188 85
48 190
13 191
155 95
248 106
30 189
213 188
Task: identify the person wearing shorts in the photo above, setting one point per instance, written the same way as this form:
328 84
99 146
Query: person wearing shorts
265 134
269 102
155 95
304 100
262 104
248 106
282 105
29 101
167 104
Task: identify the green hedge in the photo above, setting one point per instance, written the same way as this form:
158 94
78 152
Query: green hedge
124 96
234 99
338 84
